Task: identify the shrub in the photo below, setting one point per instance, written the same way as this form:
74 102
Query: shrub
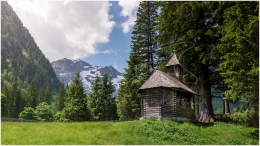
246 117
28 113
44 113
60 117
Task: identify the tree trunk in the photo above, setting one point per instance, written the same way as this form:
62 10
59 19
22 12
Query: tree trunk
226 107
206 109
78 115
197 107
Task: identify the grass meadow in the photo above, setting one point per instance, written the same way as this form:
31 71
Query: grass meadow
127 133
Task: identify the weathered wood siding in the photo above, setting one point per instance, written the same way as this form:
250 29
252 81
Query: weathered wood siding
151 105
169 101
166 102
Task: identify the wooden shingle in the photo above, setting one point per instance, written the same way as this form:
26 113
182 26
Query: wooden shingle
161 79
173 61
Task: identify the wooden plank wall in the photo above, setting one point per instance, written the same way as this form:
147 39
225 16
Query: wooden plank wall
151 103
165 103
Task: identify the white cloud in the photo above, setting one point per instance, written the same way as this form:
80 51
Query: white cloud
129 9
66 28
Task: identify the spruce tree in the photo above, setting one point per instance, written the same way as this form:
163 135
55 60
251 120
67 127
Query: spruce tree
75 103
16 102
100 100
182 24
4 108
239 49
59 99
141 61
32 100
94 100
47 94
106 92
6 90
42 94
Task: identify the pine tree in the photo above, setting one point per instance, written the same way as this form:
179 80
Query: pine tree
144 33
4 108
182 24
141 61
94 100
100 100
124 109
59 99
42 94
20 55
16 102
106 92
240 56
32 100
47 95
5 90
75 103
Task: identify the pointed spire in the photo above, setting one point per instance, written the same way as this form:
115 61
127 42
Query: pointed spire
173 61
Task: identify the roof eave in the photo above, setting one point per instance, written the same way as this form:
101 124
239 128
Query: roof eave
168 87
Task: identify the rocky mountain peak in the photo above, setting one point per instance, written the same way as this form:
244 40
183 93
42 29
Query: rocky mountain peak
66 70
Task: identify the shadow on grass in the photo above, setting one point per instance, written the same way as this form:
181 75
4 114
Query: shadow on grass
254 134
198 124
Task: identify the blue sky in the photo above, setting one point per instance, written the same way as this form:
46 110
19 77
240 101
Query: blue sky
98 32
119 44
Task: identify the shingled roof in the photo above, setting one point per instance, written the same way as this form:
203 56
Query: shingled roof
161 79
173 61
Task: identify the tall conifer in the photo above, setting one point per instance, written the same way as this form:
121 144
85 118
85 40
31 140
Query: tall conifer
75 105
184 24
141 62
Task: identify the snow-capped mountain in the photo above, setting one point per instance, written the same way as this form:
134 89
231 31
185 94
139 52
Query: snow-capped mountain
66 69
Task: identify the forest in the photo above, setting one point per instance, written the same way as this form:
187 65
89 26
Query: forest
218 44
216 41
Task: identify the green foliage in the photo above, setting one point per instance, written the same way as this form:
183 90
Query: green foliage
101 102
128 102
24 68
145 132
4 108
32 99
59 99
45 94
14 97
20 55
28 113
48 94
141 62
194 133
167 130
75 107
60 117
143 35
240 56
44 112
181 25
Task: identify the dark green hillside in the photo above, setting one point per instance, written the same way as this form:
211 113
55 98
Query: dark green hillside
21 58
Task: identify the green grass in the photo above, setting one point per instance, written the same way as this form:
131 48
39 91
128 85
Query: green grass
127 133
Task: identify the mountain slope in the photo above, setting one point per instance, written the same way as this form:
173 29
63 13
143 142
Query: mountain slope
67 69
20 55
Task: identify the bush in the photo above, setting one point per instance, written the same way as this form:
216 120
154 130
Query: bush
60 117
246 117
44 112
28 113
